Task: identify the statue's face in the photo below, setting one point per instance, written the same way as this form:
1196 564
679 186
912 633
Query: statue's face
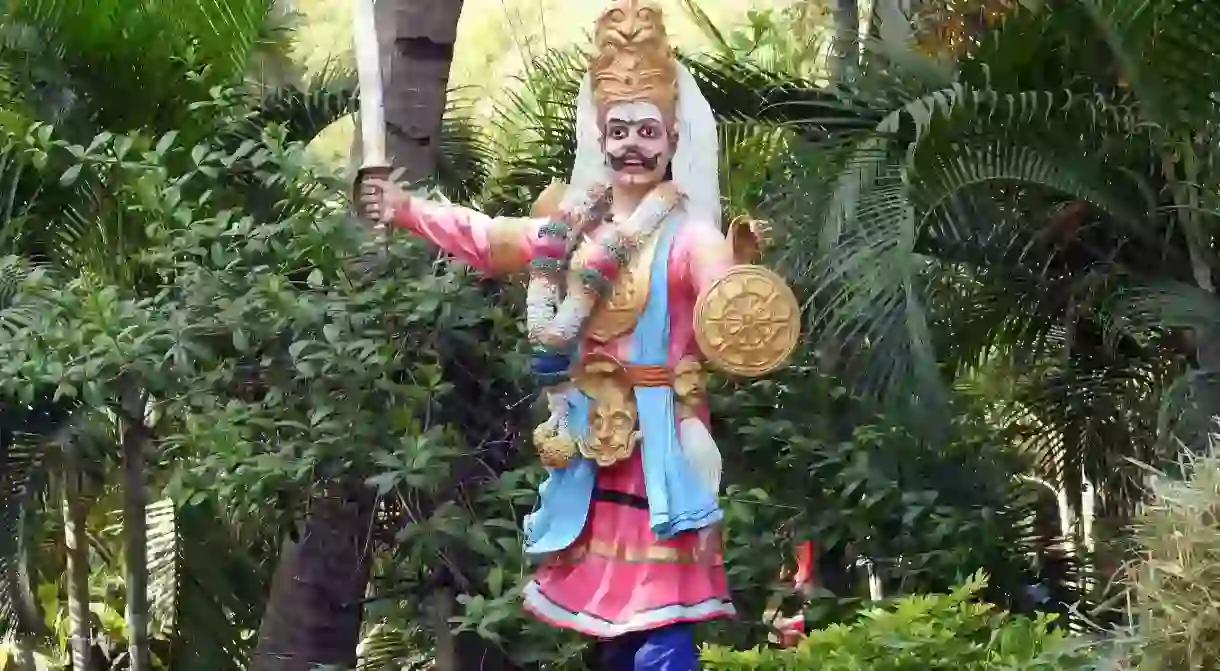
612 423
639 144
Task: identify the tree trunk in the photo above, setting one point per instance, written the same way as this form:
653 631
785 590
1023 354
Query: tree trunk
27 621
135 532
75 513
847 39
440 609
417 78
314 613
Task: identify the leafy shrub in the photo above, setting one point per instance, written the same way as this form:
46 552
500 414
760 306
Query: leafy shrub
1176 581
920 633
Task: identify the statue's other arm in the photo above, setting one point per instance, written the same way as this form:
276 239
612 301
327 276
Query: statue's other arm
495 246
708 256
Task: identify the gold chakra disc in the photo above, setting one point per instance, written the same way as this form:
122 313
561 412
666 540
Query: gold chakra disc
748 322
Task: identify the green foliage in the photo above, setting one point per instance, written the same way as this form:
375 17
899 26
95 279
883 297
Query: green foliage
273 346
864 486
140 46
789 42
920 633
1175 581
1021 212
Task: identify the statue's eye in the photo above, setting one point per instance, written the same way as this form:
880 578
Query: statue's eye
616 15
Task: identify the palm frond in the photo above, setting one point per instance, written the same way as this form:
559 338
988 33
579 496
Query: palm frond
24 433
388 647
20 460
206 591
534 138
464 157
304 110
1169 53
141 46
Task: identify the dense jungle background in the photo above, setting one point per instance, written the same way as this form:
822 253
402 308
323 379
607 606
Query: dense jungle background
239 431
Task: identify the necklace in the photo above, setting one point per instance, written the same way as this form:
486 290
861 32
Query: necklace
555 318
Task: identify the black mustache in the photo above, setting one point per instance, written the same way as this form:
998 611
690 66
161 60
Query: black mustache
619 162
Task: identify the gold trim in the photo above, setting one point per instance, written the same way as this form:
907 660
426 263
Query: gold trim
748 322
546 206
508 252
709 550
613 422
690 387
620 311
747 238
611 435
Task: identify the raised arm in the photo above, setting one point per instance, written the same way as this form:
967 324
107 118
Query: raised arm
496 246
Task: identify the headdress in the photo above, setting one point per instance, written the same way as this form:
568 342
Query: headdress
635 63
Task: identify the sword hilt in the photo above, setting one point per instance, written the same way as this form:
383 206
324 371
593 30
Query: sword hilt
364 174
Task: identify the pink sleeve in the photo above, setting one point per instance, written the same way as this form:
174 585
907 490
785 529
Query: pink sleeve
704 256
496 246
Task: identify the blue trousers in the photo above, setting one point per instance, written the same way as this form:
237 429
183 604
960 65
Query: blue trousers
667 649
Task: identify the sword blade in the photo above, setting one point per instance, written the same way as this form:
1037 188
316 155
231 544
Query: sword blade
368 68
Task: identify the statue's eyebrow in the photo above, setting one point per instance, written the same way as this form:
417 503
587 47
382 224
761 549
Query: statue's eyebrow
643 119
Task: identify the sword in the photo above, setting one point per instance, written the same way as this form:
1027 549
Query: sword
374 162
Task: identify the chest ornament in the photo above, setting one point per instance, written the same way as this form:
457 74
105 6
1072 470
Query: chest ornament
617 313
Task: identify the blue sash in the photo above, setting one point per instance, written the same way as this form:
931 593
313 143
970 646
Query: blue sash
677 500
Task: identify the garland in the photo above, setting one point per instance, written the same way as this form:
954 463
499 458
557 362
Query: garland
553 320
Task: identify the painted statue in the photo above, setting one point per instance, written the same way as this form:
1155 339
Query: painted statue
633 290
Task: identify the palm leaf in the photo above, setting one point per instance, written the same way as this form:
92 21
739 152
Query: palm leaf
141 46
465 157
24 430
205 589
305 110
1170 54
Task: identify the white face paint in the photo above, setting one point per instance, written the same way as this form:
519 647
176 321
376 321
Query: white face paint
638 143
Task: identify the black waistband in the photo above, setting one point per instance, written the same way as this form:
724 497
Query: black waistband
621 498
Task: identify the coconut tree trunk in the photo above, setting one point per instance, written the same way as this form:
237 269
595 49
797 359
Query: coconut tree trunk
420 56
313 616
75 513
135 441
314 613
847 39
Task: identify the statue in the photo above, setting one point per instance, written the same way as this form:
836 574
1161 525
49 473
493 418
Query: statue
632 290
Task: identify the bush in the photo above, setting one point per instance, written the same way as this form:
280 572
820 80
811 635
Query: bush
920 633
1176 581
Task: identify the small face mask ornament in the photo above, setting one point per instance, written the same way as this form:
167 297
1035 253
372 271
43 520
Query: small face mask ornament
638 143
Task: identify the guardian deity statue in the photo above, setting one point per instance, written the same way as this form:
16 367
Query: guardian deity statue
633 293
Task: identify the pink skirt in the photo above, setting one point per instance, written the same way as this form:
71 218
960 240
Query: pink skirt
618 578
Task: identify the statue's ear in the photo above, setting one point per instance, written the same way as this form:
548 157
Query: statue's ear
547 203
746 237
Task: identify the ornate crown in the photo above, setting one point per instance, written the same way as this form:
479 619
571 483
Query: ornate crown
634 61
